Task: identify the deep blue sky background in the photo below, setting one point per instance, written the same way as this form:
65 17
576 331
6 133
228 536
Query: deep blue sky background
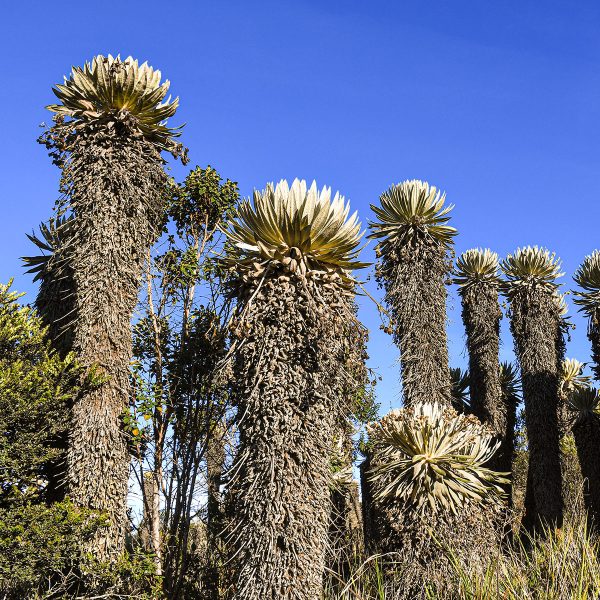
498 103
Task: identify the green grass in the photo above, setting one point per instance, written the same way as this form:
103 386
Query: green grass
561 565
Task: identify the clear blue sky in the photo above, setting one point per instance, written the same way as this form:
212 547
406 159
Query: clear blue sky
498 103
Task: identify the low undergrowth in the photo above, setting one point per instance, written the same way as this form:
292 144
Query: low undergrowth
559 565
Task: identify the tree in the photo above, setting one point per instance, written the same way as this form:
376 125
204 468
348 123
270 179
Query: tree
180 410
432 491
588 278
290 256
538 326
35 388
478 281
108 136
414 267
585 403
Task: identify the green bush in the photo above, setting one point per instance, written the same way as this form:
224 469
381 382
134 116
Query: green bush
40 541
39 549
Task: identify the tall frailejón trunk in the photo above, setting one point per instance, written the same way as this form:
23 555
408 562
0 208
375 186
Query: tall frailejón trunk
587 441
481 316
415 264
414 277
291 335
290 258
117 190
110 128
537 328
587 432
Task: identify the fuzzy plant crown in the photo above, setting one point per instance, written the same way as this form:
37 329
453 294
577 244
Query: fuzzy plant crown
409 211
114 88
431 458
587 277
532 267
299 229
477 266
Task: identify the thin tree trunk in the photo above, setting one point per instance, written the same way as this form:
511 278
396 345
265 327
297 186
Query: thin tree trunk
215 465
152 518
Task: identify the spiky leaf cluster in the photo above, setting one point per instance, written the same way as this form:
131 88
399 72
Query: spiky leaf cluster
585 402
459 391
111 88
531 267
298 229
587 277
477 266
431 458
510 383
52 233
409 211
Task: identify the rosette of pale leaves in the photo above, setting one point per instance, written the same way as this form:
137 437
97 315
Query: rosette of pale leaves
531 267
588 278
301 230
431 458
585 403
409 211
111 87
561 304
477 266
572 377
